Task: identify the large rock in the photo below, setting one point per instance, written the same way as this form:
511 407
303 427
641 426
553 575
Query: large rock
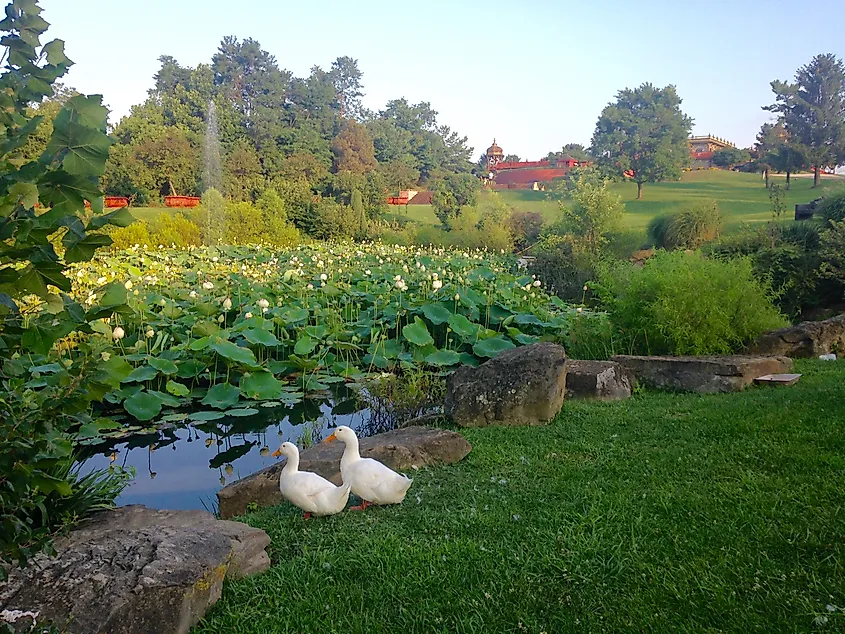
134 570
705 375
599 380
807 339
401 449
522 386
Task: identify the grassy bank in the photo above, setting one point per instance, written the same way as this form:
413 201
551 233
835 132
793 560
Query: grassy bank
664 513
742 198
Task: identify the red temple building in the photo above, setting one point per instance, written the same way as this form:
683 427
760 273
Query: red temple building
525 174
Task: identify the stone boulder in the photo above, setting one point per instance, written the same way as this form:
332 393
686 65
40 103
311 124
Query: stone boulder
807 339
599 380
522 386
400 449
705 375
134 569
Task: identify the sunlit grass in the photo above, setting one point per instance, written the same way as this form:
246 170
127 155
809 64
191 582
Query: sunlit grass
665 513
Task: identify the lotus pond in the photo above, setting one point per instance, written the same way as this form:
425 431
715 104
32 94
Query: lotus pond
210 345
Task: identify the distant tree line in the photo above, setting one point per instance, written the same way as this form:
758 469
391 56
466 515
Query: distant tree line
308 138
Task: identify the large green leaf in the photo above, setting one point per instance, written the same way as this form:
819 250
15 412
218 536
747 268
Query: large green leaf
165 366
79 136
436 313
491 347
47 483
82 250
235 353
221 396
118 218
177 389
141 374
443 358
417 333
305 345
463 326
143 405
261 337
262 386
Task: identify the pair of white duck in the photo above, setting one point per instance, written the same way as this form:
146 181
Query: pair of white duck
369 479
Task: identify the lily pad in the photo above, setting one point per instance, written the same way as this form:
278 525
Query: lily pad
491 347
221 396
143 405
262 386
417 333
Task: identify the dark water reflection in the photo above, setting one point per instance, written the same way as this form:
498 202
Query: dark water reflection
184 465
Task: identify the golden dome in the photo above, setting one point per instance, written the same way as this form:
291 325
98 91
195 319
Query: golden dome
495 150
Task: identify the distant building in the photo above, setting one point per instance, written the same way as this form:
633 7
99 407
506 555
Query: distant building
525 174
701 149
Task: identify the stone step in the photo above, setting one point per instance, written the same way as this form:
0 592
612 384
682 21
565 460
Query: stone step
598 380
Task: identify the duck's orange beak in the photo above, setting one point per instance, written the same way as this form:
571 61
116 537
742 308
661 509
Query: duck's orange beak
277 453
331 438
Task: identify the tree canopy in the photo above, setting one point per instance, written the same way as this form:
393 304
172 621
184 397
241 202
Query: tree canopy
645 132
308 136
812 111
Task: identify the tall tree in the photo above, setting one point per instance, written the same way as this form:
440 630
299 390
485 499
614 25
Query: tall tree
646 132
346 78
769 138
788 158
353 149
512 158
813 111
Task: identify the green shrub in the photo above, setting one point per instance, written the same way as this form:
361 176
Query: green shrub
833 207
688 228
789 256
684 303
832 250
173 230
244 223
525 227
126 237
565 266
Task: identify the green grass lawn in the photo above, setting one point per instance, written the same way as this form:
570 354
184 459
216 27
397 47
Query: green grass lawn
742 198
665 513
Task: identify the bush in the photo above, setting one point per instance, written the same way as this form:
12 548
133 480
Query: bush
832 250
126 237
173 229
684 303
687 229
565 266
525 227
832 208
788 256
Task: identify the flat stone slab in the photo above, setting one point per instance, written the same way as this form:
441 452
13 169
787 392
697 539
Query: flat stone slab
134 569
704 375
599 380
400 449
778 379
805 340
521 386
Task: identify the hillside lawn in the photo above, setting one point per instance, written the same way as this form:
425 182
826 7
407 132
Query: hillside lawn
663 513
742 198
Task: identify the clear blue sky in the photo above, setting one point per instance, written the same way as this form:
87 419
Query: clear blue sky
535 74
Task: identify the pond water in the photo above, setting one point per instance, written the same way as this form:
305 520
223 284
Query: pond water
182 466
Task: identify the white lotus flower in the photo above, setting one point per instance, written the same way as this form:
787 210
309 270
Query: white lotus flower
221 319
207 285
101 280
585 288
367 272
434 275
150 333
397 278
579 310
118 333
128 285
324 277
227 304
192 294
248 316
162 302
457 297
310 287
263 303
437 285
537 283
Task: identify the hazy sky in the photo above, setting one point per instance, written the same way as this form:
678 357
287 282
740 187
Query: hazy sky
534 74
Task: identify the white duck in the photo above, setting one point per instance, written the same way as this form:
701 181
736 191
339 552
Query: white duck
312 493
372 481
